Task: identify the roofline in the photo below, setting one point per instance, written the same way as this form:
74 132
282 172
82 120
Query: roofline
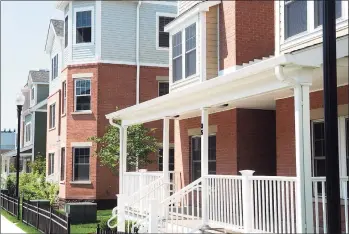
48 31
60 5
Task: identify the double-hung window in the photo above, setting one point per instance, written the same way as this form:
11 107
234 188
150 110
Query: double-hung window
163 88
51 163
190 50
66 28
54 67
318 11
81 164
62 163
196 156
295 17
64 97
83 27
27 132
82 94
52 116
177 56
163 37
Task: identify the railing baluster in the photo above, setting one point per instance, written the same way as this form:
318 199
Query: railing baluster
324 206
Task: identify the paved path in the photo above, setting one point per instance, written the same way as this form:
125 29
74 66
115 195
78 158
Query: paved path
8 227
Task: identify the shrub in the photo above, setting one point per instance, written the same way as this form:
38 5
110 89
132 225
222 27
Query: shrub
11 185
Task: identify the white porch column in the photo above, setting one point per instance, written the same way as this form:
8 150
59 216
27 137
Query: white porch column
303 159
165 154
125 148
121 160
8 166
204 163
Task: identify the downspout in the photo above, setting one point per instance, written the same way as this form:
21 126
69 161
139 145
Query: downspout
121 169
137 52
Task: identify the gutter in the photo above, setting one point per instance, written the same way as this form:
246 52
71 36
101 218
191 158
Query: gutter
137 52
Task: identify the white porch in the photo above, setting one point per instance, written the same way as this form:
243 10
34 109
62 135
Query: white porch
239 203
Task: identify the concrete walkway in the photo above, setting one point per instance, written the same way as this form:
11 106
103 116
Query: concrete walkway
9 227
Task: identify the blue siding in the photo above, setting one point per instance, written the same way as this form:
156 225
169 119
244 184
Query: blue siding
83 52
8 140
119 32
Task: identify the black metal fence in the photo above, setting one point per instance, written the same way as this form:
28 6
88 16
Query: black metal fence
44 219
9 203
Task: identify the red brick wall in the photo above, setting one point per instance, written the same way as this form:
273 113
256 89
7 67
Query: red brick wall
256 145
246 31
285 132
114 85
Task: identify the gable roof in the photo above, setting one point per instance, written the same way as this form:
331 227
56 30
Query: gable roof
58 26
39 76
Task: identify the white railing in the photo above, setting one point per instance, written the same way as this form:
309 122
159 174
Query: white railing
225 200
274 204
320 208
133 181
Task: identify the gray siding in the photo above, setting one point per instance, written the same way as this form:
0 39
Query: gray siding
42 92
119 32
40 133
83 52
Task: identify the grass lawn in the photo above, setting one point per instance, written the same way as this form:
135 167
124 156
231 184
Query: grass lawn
23 226
102 215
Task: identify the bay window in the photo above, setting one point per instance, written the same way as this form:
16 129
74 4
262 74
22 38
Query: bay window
177 56
318 11
27 132
83 27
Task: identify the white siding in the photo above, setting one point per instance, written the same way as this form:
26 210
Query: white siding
185 5
56 49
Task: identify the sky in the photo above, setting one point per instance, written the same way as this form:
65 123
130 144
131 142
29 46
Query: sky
24 26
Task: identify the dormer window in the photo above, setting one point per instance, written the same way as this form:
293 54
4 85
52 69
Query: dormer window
54 67
83 27
32 93
188 48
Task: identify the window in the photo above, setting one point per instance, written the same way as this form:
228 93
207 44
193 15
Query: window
318 11
171 160
62 163
163 88
81 164
177 56
295 17
163 37
54 67
52 116
51 163
66 32
196 156
318 149
190 50
83 27
82 95
32 93
27 134
64 97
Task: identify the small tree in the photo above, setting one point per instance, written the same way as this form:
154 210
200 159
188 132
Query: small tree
140 144
38 165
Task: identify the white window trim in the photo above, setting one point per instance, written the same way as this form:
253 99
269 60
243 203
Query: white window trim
80 9
162 81
193 20
60 164
50 164
82 111
53 116
53 78
25 134
158 14
33 90
65 16
89 176
312 32
64 98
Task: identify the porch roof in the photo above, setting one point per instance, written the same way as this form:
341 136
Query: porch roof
246 82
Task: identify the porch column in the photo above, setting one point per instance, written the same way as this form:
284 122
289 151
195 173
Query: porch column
123 157
303 159
165 154
8 166
204 163
24 163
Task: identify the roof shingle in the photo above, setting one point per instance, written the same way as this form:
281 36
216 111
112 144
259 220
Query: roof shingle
40 76
58 25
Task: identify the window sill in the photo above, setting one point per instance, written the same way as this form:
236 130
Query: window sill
51 129
80 182
162 48
83 44
62 182
82 112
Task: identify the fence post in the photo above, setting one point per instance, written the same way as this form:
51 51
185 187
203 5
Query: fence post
49 222
37 215
247 200
18 206
97 231
153 216
121 212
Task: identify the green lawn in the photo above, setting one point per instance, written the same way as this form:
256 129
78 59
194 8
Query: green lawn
19 223
102 215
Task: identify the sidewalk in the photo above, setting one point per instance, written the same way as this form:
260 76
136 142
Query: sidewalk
8 227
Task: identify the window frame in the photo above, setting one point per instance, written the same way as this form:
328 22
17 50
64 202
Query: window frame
54 67
162 163
32 94
75 99
62 164
66 31
52 117
27 126
81 9
64 97
162 82
51 163
89 169
157 39
182 29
